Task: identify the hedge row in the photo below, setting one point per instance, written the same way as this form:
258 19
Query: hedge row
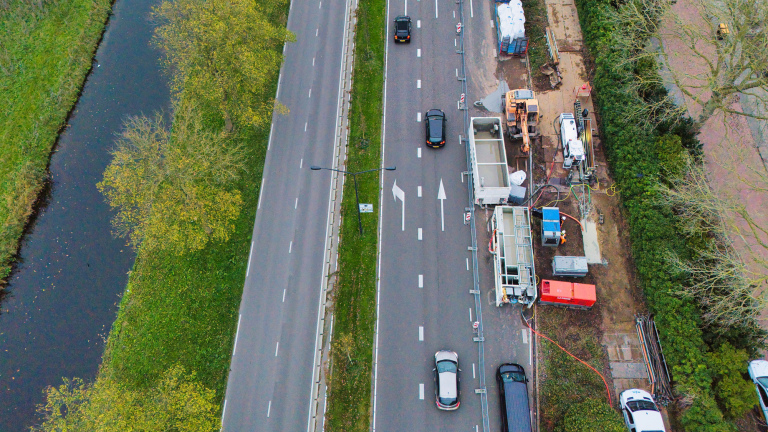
632 154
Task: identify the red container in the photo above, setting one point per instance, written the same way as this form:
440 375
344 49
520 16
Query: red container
576 295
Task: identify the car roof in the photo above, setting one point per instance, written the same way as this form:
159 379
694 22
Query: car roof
648 421
448 387
516 404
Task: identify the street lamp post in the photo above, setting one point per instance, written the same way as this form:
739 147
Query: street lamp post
354 177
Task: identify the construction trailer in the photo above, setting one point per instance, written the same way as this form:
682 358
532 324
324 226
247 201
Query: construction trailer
510 28
521 109
512 250
568 294
490 176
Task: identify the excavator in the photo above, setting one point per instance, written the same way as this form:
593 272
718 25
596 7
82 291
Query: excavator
521 109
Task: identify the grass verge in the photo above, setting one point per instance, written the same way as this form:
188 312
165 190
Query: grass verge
355 294
46 54
535 24
568 388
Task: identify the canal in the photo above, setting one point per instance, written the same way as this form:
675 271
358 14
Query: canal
62 297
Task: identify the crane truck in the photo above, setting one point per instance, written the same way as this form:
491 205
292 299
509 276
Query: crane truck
521 109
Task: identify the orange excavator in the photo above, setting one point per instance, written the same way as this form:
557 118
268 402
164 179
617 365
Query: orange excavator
521 109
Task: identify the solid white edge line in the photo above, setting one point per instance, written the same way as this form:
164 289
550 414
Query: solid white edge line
381 218
237 334
323 278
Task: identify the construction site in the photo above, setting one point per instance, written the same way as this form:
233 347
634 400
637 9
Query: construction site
558 245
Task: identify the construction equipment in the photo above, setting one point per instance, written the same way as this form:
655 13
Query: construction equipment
521 109
587 168
512 250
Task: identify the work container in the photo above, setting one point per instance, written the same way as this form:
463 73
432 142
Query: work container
569 294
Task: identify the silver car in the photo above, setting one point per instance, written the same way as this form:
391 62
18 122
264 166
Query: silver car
447 380
758 371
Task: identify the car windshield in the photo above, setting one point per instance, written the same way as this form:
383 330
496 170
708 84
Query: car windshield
446 366
513 377
641 405
763 381
402 25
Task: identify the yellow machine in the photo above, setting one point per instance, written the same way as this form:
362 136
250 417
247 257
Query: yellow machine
521 109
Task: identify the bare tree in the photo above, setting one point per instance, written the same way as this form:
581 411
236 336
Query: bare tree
730 282
709 68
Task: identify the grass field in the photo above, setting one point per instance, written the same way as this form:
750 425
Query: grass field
355 296
45 54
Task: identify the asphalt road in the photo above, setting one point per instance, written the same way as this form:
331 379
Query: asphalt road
270 380
425 272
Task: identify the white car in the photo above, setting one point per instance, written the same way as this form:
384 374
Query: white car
640 411
758 371
447 380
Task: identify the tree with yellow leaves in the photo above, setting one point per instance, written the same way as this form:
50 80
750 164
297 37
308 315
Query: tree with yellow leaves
172 188
223 53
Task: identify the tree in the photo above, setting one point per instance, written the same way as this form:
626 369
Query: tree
179 402
172 188
223 53
731 286
718 70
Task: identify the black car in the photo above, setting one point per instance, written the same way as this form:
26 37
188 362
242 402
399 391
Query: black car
513 391
436 124
403 29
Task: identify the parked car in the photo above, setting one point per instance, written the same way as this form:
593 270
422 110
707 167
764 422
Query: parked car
640 411
758 371
447 380
513 392
403 29
436 124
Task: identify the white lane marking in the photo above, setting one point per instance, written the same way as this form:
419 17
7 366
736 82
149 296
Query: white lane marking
421 333
418 191
237 334
269 408
418 52
421 281
457 75
305 123
418 23
296 204
462 177
525 335
473 371
471 11
436 15
491 23
320 5
454 42
310 93
290 246
284 290
470 314
277 348
467 263
301 163
421 391
317 31
418 152
418 117
406 7
419 233
313 61
454 14
418 84
248 270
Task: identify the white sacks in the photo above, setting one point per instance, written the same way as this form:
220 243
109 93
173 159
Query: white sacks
511 19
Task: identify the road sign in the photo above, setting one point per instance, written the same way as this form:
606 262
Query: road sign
366 208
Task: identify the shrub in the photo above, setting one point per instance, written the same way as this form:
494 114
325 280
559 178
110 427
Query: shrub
592 415
735 394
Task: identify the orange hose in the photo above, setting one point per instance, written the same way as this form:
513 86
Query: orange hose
607 390
577 221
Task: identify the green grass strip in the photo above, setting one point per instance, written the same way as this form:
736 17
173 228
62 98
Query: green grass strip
349 399
535 25
45 56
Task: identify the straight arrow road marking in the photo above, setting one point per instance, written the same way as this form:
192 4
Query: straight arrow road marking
398 193
441 197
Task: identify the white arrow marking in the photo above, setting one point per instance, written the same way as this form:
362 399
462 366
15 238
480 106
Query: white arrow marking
398 193
441 197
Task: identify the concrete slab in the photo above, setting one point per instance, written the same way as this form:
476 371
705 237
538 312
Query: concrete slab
591 243
628 370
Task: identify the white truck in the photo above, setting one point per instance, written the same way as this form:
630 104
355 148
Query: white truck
490 176
512 250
